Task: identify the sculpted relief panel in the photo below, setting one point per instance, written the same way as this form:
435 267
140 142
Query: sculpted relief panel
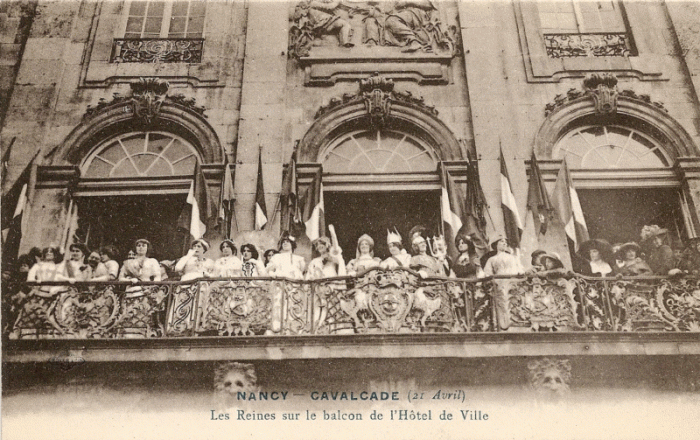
402 36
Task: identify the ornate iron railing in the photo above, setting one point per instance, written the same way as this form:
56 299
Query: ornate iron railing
587 45
157 50
377 301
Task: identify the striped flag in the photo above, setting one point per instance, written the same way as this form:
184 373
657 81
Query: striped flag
537 198
226 200
199 210
260 209
452 208
14 204
313 215
567 205
512 224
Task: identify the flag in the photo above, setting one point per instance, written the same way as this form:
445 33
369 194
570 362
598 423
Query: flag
566 203
290 195
226 200
14 204
198 211
313 216
260 209
537 198
512 225
452 208
474 206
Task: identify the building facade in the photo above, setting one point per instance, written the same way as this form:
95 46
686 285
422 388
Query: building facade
111 104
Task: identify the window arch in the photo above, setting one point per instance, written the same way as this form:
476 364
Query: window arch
380 151
610 146
141 154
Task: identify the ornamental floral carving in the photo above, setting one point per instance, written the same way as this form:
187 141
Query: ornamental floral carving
146 99
602 88
378 94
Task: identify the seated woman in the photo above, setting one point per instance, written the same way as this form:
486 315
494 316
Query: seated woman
632 265
466 265
364 257
229 265
426 265
48 268
141 267
286 263
251 266
108 255
596 252
195 265
399 257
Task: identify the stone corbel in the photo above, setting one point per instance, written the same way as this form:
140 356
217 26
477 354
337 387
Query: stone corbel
603 89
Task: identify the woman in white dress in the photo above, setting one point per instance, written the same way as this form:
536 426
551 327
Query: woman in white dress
195 265
399 257
47 268
286 263
141 267
229 265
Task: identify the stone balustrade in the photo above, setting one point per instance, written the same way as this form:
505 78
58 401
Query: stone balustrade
375 302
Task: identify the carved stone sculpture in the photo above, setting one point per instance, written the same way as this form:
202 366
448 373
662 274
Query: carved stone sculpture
314 18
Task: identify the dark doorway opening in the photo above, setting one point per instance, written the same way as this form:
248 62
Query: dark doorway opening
618 215
353 214
120 220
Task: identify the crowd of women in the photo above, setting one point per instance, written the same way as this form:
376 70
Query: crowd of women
428 257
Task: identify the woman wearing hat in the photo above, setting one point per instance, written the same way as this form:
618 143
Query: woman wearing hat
552 264
632 265
596 252
466 265
141 267
327 264
229 265
503 263
399 257
195 265
364 256
286 263
660 257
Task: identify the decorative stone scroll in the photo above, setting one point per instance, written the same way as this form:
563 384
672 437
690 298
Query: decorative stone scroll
587 45
160 50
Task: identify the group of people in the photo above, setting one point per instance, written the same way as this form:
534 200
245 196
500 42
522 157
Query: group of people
428 257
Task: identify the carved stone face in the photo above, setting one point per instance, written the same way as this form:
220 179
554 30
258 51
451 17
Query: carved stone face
233 377
550 377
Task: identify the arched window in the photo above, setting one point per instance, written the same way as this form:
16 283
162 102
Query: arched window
610 146
144 154
380 151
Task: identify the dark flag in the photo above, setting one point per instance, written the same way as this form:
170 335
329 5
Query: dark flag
290 195
14 203
227 199
475 205
260 209
537 198
512 224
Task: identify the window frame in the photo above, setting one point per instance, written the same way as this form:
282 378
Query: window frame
165 22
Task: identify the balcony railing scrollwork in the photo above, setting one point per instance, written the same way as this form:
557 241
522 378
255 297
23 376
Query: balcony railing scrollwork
157 50
587 45
377 301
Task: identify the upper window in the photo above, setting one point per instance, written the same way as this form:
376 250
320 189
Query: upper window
148 154
572 16
165 19
381 151
610 146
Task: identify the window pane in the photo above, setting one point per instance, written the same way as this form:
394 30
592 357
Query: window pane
197 8
134 25
153 25
196 27
155 9
179 9
177 26
138 8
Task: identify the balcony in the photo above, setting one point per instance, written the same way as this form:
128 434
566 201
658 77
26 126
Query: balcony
588 45
358 316
157 50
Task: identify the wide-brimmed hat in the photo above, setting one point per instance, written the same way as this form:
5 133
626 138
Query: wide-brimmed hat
627 246
603 246
552 256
